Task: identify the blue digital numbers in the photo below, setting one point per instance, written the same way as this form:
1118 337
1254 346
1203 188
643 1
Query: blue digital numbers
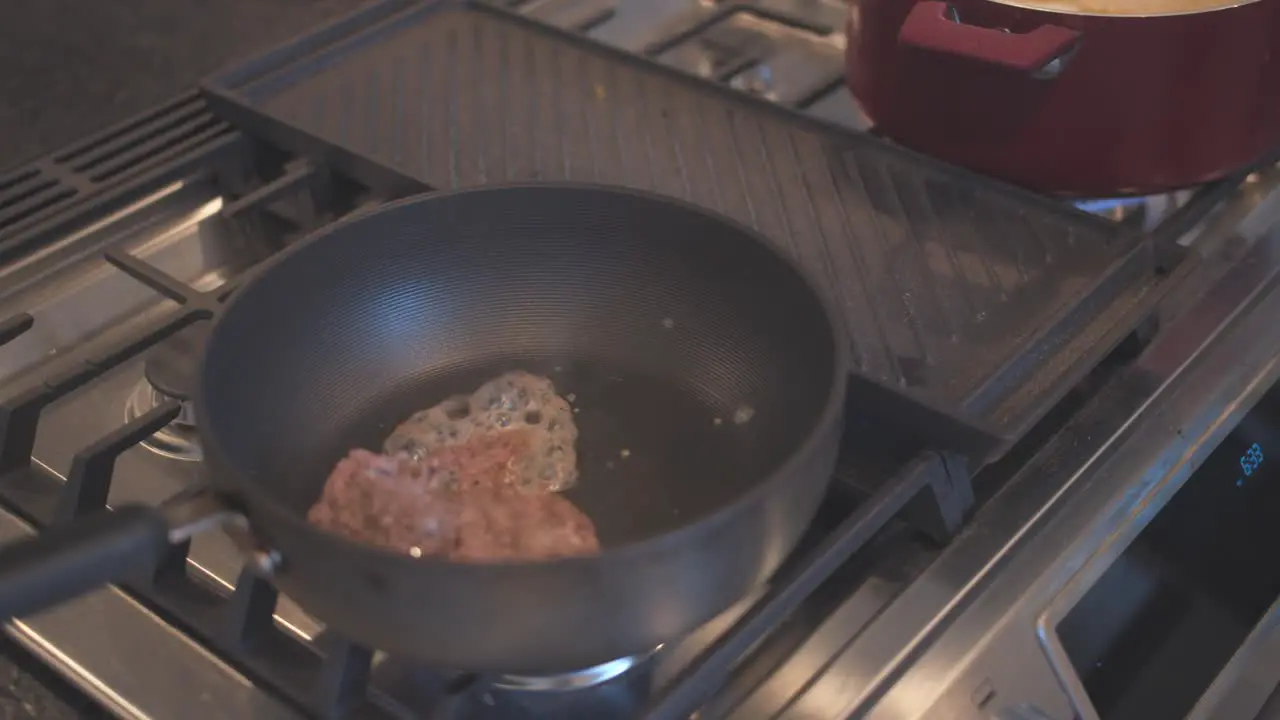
1252 458
1250 461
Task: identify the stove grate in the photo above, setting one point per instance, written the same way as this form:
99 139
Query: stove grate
328 680
331 677
44 198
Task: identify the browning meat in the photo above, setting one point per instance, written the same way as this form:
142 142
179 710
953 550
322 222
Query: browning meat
383 500
515 526
461 503
512 401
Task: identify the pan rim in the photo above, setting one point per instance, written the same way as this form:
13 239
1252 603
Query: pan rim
233 479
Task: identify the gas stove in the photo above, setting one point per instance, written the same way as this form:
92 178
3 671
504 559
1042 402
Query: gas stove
920 592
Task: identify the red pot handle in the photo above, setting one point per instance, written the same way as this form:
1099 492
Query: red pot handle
930 26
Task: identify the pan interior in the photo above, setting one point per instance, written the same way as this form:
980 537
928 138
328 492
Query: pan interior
698 360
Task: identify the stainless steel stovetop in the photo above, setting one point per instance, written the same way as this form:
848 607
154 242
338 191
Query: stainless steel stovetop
907 629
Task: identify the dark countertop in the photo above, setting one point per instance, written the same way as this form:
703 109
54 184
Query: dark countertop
69 68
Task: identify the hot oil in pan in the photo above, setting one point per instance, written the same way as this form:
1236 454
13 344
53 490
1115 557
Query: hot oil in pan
652 455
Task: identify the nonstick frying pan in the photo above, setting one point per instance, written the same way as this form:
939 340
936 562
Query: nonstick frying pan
658 316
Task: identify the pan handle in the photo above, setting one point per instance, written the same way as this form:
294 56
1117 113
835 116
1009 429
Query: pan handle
935 25
66 561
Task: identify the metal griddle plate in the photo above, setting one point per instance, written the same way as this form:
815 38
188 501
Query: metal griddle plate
971 306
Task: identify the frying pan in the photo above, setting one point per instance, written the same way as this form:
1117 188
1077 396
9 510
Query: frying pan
708 371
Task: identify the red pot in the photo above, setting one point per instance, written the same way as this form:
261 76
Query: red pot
1070 102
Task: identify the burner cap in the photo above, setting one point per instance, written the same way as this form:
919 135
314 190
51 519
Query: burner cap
172 366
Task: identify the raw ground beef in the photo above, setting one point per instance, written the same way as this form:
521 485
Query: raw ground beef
461 503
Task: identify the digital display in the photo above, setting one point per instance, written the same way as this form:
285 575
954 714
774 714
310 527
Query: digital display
1154 631
1250 461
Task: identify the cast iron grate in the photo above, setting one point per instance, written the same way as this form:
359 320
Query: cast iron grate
328 680
129 158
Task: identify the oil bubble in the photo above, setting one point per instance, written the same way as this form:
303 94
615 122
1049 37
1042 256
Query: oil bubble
515 401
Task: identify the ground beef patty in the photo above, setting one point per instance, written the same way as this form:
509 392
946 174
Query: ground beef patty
461 503
514 401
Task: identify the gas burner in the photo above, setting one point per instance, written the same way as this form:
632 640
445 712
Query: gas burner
1142 212
609 691
178 439
169 374
573 680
